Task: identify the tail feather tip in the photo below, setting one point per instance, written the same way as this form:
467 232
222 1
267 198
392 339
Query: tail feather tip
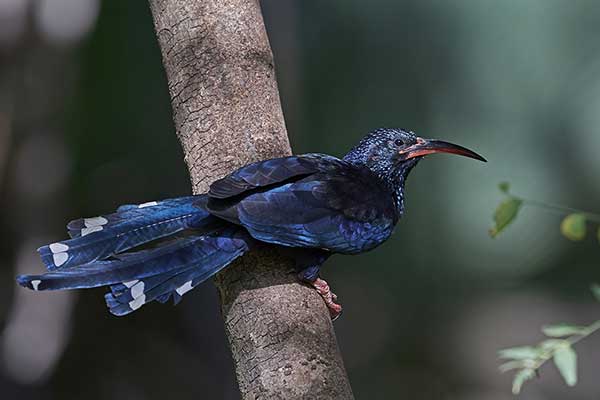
29 281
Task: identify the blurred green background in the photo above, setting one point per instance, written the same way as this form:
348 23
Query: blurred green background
85 126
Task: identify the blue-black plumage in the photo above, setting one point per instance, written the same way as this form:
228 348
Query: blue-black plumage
314 205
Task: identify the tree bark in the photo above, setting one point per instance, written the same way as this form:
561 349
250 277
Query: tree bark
227 113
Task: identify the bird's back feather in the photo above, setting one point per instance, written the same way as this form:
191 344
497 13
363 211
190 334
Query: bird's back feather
338 207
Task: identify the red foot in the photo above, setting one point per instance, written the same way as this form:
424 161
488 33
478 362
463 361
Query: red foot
335 310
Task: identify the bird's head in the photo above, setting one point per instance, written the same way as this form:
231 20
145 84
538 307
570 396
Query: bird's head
391 153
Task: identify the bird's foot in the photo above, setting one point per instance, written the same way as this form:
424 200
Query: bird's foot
335 310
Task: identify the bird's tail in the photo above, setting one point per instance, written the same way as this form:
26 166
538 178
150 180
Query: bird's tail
194 246
130 226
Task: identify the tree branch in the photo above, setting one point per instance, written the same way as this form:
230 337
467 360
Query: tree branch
227 113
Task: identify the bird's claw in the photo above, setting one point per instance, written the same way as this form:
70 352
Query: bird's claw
321 286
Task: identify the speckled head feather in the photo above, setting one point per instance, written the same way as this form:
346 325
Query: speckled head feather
380 151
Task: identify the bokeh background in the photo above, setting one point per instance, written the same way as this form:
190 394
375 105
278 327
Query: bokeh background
85 126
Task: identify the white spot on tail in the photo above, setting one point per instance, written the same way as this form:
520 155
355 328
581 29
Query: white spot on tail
96 221
148 204
137 302
92 229
58 247
35 283
130 283
60 258
137 290
183 289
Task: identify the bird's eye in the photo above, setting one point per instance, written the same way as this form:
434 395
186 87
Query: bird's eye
399 142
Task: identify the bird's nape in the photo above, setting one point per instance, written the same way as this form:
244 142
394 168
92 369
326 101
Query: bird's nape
424 147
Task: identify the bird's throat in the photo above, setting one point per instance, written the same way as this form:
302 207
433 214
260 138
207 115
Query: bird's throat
396 181
392 174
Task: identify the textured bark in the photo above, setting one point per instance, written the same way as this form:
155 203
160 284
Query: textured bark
227 113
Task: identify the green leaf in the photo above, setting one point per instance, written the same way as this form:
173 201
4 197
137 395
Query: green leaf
598 234
562 330
520 378
551 344
505 214
519 353
596 291
573 227
504 187
566 362
515 364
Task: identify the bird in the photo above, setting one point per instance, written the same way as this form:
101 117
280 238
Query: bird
313 205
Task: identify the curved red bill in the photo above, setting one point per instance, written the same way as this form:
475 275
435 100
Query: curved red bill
424 147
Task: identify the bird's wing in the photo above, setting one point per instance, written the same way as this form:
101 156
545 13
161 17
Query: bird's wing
339 208
268 172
